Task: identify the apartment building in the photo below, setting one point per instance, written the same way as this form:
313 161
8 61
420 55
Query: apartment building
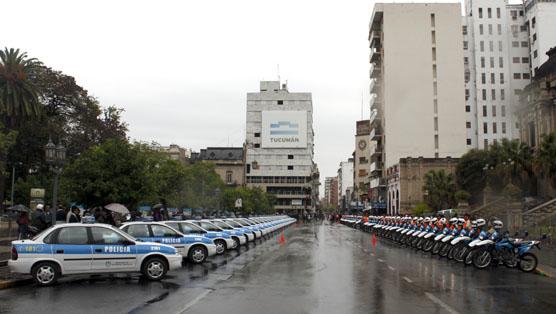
345 183
417 85
497 68
540 18
279 146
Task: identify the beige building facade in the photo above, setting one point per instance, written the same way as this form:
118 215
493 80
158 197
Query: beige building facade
228 163
417 85
406 181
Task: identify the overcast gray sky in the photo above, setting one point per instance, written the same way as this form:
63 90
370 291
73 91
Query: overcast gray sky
181 69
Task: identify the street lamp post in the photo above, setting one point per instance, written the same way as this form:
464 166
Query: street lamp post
55 158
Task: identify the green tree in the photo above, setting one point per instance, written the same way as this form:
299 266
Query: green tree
470 172
441 188
114 171
19 96
420 209
546 156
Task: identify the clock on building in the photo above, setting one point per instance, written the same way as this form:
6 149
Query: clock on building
362 144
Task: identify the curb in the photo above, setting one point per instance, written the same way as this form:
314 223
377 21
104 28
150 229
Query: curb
5 284
540 271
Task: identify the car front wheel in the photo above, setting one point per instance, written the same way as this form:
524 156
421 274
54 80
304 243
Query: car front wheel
198 254
154 268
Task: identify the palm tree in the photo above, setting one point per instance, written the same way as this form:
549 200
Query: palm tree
19 96
440 188
546 155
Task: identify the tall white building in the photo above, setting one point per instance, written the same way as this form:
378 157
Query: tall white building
541 20
279 145
417 85
496 58
345 183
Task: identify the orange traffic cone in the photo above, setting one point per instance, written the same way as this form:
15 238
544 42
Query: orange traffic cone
282 239
373 241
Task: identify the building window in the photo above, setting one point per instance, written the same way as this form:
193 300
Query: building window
229 177
467 94
486 143
468 108
492 78
482 46
494 111
502 94
432 19
503 111
499 45
501 62
523 28
525 60
290 167
434 88
464 29
493 94
434 70
466 76
533 22
494 129
435 123
498 13
257 134
480 13
465 60
515 59
490 46
492 62
517 76
501 78
515 44
465 45
484 94
526 76
468 141
433 54
489 13
290 156
468 125
485 128
480 29
433 35
524 44
535 54
534 37
503 127
484 111
280 102
436 141
490 29
482 62
483 78
257 145
520 12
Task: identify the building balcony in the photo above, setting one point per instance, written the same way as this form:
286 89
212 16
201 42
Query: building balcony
375 70
376 168
375 117
376 134
375 102
375 85
374 41
376 153
375 55
378 183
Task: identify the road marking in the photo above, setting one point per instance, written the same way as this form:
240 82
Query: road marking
194 301
380 260
391 268
407 279
442 304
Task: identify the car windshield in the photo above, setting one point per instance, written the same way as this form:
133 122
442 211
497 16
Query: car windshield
222 225
234 224
245 222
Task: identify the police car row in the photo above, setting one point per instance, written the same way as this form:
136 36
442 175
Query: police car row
151 248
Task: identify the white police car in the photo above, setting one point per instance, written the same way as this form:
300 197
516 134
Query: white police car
237 234
196 247
222 239
67 249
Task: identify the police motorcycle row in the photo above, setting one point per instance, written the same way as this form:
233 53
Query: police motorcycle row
70 249
456 239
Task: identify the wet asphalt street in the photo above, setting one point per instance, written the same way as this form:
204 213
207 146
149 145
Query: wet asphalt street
321 268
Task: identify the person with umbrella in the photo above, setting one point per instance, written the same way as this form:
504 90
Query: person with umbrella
114 208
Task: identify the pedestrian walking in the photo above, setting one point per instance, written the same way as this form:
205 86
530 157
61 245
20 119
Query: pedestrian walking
23 225
73 215
60 215
39 218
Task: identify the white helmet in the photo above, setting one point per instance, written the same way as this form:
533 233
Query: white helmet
474 223
497 224
453 220
415 218
443 220
427 219
434 219
40 206
480 222
461 221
